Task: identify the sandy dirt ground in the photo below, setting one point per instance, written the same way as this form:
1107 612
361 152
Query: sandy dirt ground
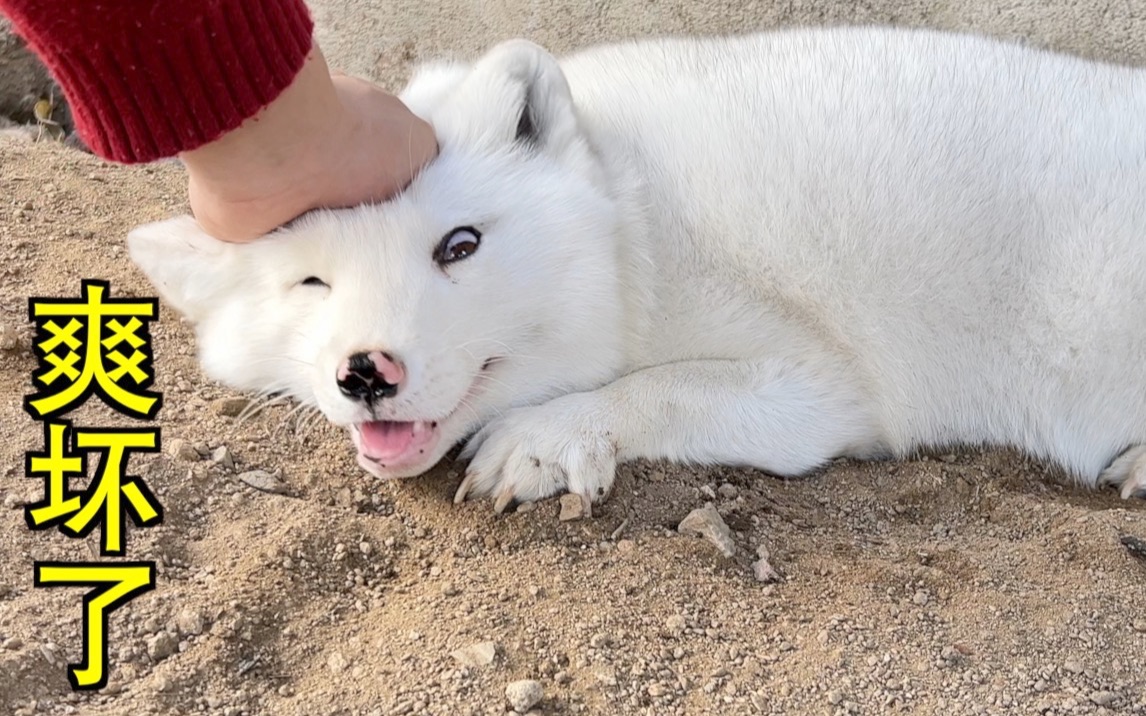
960 582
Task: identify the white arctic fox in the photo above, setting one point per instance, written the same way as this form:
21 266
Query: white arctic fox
767 251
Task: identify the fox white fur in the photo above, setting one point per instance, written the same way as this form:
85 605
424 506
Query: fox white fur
765 251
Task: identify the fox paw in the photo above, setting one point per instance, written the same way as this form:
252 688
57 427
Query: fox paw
1127 472
536 452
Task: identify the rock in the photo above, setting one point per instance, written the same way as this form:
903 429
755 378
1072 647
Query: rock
189 621
1073 666
1140 625
264 481
12 643
708 523
523 695
572 508
657 689
835 697
230 407
728 491
161 646
222 456
180 449
1104 698
477 655
920 598
675 624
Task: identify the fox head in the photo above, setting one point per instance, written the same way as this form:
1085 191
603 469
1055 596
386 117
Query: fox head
489 282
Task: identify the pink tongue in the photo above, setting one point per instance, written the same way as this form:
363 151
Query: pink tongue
384 439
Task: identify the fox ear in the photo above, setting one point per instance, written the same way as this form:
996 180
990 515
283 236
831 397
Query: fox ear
515 95
186 265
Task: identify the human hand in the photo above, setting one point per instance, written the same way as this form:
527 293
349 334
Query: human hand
325 142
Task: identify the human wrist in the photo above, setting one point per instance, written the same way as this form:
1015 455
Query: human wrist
267 147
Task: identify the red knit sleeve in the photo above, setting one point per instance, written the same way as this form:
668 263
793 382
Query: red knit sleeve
147 79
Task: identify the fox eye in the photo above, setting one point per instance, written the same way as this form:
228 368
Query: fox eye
459 244
313 281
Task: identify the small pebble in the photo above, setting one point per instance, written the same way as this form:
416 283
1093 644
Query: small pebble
231 407
9 340
336 662
524 695
222 456
572 508
183 450
264 481
476 655
51 653
708 523
920 598
762 568
1104 698
189 621
728 491
161 646
12 501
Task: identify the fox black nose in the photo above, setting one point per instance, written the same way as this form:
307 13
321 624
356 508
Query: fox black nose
369 376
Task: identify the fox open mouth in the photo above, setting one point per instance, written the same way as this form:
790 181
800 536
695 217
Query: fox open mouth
394 444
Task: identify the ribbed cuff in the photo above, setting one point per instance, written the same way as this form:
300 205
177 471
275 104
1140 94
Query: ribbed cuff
164 85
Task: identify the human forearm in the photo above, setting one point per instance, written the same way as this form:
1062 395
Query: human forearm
148 79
